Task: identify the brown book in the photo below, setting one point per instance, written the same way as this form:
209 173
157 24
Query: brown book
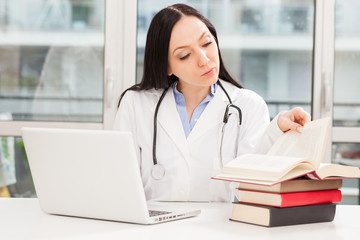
295 185
275 216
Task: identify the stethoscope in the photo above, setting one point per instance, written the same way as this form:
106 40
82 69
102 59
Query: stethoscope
158 170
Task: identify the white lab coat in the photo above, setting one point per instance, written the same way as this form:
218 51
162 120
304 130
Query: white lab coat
191 162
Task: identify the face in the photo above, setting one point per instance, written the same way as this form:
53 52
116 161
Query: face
193 53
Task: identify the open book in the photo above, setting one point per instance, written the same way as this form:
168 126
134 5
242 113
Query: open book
292 155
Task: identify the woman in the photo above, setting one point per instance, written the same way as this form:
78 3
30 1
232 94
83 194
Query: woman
183 70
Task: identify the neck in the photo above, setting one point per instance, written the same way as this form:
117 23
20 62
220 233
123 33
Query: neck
193 95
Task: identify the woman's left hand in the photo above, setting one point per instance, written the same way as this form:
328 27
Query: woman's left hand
293 119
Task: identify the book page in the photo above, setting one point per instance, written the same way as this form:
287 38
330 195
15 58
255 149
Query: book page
262 167
309 144
327 170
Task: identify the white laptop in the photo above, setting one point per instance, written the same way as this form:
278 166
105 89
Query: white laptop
92 174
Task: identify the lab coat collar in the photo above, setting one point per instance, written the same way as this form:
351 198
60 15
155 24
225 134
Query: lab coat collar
211 117
169 119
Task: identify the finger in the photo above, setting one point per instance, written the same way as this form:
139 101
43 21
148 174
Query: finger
300 116
290 125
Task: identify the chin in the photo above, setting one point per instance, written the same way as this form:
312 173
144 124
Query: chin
209 82
214 79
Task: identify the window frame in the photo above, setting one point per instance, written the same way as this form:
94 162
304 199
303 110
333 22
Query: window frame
323 79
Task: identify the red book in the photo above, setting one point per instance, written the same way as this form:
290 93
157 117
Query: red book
289 199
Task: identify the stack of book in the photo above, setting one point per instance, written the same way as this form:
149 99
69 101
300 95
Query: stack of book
272 191
292 202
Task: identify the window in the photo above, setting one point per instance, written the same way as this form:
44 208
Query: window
52 68
346 100
56 72
52 60
347 62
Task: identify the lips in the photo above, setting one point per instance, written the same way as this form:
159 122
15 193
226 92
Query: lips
209 73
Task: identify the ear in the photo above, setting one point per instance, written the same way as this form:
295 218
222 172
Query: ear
169 72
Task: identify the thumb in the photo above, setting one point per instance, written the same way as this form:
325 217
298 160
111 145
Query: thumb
295 127
290 125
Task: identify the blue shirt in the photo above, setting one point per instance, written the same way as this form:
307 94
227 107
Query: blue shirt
181 108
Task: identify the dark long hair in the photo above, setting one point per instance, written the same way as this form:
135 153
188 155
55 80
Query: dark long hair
157 46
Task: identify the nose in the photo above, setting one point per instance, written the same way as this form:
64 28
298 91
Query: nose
203 58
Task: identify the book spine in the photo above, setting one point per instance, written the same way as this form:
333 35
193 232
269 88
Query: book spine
302 214
313 175
310 198
300 185
291 199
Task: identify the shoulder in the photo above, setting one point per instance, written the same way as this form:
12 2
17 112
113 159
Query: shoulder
140 96
135 106
249 97
243 96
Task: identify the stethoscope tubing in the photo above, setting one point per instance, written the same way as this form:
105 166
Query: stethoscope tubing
158 171
155 124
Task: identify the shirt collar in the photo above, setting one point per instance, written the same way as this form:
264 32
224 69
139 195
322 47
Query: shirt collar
213 88
179 97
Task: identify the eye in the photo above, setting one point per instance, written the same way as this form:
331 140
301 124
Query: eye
185 57
207 44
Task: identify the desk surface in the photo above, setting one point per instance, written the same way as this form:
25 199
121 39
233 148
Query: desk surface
23 219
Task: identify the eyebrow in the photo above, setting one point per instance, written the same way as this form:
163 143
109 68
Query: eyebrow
202 35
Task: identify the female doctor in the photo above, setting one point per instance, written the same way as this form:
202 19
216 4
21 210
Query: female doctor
188 116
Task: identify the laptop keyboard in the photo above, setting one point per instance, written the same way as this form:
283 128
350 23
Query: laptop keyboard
153 213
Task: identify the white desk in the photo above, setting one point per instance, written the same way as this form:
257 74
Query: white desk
23 219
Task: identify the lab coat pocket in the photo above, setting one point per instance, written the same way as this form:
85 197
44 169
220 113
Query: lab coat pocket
170 187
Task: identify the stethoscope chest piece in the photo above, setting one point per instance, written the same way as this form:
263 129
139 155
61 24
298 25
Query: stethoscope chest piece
158 171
